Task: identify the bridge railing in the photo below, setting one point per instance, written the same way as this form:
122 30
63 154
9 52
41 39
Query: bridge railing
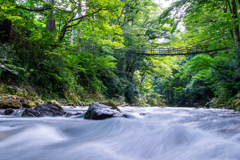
182 50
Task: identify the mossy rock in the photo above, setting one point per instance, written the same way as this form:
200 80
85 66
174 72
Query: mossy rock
10 103
111 104
235 105
221 105
39 101
29 104
26 103
16 91
103 110
4 96
55 103
16 102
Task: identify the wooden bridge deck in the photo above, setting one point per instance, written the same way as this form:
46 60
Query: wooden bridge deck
179 51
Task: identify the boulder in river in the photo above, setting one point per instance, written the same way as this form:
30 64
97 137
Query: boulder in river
73 114
42 110
15 102
10 103
10 111
100 110
54 103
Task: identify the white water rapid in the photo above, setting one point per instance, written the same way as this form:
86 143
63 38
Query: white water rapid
160 134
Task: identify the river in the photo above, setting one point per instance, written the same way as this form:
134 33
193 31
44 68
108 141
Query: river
160 134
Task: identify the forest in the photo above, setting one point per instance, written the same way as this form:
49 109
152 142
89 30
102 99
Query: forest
80 51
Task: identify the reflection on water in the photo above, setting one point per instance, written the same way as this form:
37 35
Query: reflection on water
156 134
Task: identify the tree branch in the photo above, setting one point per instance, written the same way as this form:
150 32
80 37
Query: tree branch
87 15
73 2
229 7
35 9
65 10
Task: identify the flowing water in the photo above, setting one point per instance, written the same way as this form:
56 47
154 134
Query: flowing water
160 134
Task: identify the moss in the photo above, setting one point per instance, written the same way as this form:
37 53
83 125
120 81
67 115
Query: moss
156 102
4 96
29 104
14 101
55 103
77 96
39 101
222 105
235 105
111 104
10 103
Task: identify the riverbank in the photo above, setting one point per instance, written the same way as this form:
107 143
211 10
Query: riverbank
27 96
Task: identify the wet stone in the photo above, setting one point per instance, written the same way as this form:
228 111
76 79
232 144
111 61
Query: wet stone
44 110
70 114
8 111
99 111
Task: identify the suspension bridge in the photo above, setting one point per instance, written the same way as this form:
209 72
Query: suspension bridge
179 51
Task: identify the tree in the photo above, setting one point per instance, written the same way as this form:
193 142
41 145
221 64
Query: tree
134 20
211 23
50 26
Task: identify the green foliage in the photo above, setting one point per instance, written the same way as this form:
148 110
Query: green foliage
107 34
202 77
235 103
6 65
54 67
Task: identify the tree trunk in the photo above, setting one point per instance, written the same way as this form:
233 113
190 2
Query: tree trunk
78 38
78 41
236 30
83 12
236 26
50 26
71 36
6 29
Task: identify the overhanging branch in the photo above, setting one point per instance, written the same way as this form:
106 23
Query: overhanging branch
35 9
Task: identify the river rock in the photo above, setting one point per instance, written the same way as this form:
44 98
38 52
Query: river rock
54 103
9 111
10 103
44 110
14 101
99 110
72 114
